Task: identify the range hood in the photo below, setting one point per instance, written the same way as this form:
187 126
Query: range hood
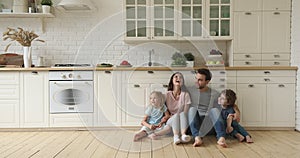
76 5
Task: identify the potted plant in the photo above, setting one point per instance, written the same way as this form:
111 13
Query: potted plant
46 4
189 59
178 60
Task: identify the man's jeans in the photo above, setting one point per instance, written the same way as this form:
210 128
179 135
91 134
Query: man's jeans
202 125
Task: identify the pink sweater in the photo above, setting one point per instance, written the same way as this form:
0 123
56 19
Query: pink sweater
177 106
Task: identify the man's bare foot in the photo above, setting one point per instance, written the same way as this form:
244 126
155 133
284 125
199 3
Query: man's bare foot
249 139
139 135
198 141
240 137
229 129
222 142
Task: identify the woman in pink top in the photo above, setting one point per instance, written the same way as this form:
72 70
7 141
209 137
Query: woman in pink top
178 102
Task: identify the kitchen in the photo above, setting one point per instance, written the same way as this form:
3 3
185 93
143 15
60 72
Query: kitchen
87 37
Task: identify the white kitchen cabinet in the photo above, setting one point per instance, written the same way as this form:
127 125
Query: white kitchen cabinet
71 120
137 87
150 20
200 19
9 99
267 98
34 99
108 98
255 35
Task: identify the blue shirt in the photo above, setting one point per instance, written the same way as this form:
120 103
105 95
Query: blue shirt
155 114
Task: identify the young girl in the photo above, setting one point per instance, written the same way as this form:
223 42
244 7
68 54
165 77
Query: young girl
227 100
156 115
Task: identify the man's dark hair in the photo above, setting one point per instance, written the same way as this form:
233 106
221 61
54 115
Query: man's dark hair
205 72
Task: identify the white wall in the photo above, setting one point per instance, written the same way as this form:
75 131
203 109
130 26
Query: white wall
295 56
94 37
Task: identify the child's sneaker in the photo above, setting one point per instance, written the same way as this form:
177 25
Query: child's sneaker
185 138
176 140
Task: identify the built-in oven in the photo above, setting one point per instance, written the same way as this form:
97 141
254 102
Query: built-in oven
71 91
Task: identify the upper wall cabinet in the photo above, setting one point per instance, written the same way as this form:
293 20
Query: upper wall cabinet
178 19
202 19
150 20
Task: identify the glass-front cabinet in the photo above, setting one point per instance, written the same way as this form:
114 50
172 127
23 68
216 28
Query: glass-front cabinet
178 19
151 19
202 19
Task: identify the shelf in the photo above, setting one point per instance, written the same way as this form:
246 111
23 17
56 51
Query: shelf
26 15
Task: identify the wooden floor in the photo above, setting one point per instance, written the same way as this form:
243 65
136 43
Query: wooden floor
119 144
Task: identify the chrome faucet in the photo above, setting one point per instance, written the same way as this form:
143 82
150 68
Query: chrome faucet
150 55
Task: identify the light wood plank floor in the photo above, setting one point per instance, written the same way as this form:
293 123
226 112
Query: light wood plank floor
119 144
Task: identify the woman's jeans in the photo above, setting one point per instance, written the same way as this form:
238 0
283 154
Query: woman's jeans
202 125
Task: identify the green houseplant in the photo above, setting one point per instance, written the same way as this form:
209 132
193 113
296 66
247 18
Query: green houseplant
178 59
46 4
189 59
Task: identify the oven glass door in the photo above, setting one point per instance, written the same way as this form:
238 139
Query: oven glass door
71 96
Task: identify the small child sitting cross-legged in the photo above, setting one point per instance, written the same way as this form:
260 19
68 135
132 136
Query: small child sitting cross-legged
156 115
227 100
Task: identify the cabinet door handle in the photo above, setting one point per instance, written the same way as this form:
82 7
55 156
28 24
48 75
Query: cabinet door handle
34 72
281 86
150 72
276 13
267 72
276 56
222 79
248 13
267 79
165 86
276 63
222 72
247 63
137 86
107 72
250 85
247 56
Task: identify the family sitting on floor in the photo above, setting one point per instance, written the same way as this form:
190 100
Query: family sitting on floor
203 109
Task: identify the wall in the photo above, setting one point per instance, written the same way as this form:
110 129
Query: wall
295 56
96 37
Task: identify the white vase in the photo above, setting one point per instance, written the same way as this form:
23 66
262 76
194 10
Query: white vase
190 63
46 9
27 57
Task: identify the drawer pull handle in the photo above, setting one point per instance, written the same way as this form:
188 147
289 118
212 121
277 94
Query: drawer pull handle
248 13
136 86
165 86
247 56
248 63
267 72
222 72
276 56
250 85
34 72
107 72
267 79
281 86
276 13
222 79
276 63
150 72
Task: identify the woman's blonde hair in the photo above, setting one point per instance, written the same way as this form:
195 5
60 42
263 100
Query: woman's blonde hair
160 96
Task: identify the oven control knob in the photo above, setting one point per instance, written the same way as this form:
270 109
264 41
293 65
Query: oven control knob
63 76
70 75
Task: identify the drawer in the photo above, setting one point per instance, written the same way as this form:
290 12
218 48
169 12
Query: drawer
220 87
275 63
279 73
266 80
222 73
276 57
9 91
247 63
247 57
148 76
223 80
9 78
